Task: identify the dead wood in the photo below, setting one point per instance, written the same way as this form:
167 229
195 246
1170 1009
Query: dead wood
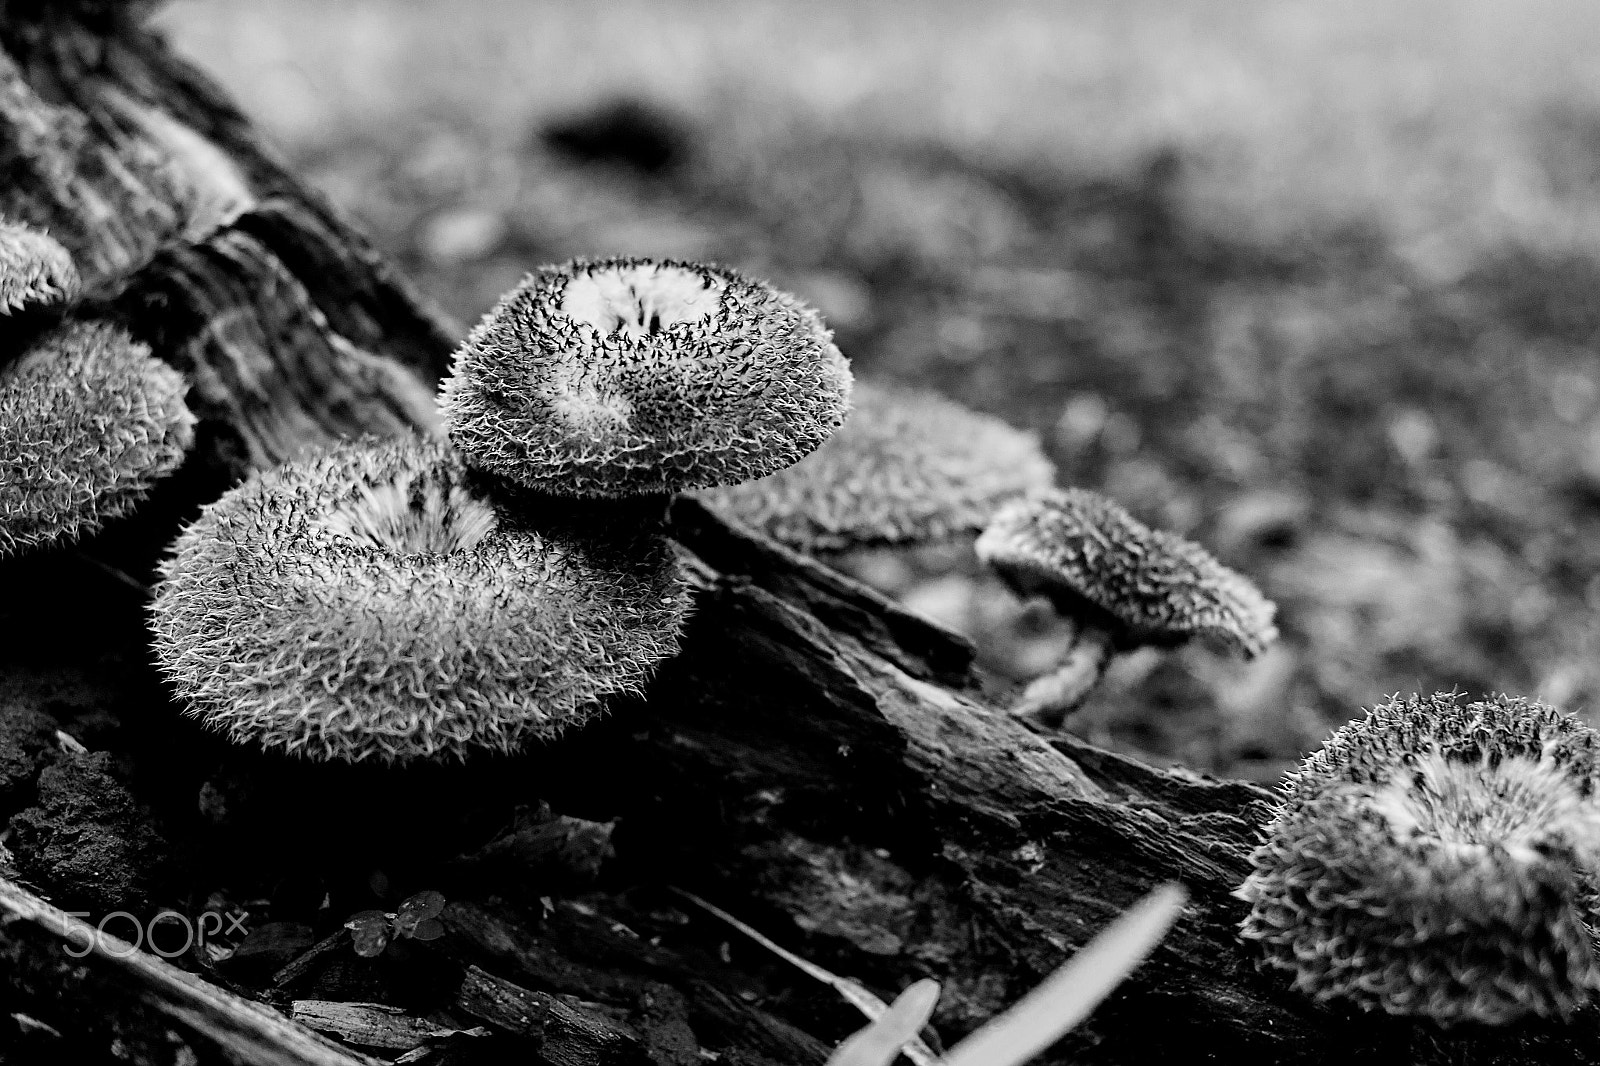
108 992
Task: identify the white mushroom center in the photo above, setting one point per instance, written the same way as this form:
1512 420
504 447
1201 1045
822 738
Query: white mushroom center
639 300
413 515
1517 804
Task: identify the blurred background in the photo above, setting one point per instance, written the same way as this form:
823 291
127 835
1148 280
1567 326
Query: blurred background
1317 285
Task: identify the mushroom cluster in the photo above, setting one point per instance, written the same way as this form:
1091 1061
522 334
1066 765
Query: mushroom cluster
1438 859
89 419
410 599
1124 586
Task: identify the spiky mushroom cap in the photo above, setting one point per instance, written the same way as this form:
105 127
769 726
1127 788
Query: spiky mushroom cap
35 270
1143 586
1437 859
907 466
89 421
620 377
371 603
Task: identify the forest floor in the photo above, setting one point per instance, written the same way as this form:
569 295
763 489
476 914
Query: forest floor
1315 285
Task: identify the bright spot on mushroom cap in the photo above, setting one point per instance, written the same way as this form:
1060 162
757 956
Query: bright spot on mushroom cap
1437 859
89 421
34 268
907 466
618 377
369 602
1145 586
640 299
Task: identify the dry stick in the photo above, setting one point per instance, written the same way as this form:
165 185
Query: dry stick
1067 996
1040 1018
374 1024
299 966
882 1041
248 1033
856 995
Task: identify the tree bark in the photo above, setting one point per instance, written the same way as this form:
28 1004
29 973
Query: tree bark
816 760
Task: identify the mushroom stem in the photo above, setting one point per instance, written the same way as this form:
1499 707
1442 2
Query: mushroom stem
1051 697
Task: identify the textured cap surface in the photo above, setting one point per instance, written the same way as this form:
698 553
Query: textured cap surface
370 603
89 420
907 466
1146 586
1437 859
35 270
618 377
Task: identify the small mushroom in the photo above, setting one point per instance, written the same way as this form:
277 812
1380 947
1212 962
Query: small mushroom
908 466
375 602
619 377
1124 584
1437 859
35 270
89 421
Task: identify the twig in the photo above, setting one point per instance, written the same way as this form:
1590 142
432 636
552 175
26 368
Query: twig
854 994
247 1032
299 966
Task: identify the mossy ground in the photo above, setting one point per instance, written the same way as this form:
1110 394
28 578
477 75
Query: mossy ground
1318 286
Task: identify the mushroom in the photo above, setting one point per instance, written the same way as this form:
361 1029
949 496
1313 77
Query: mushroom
1124 584
1437 859
617 377
89 421
908 466
35 270
376 601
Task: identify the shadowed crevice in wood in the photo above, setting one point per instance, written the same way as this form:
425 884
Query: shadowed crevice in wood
267 367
